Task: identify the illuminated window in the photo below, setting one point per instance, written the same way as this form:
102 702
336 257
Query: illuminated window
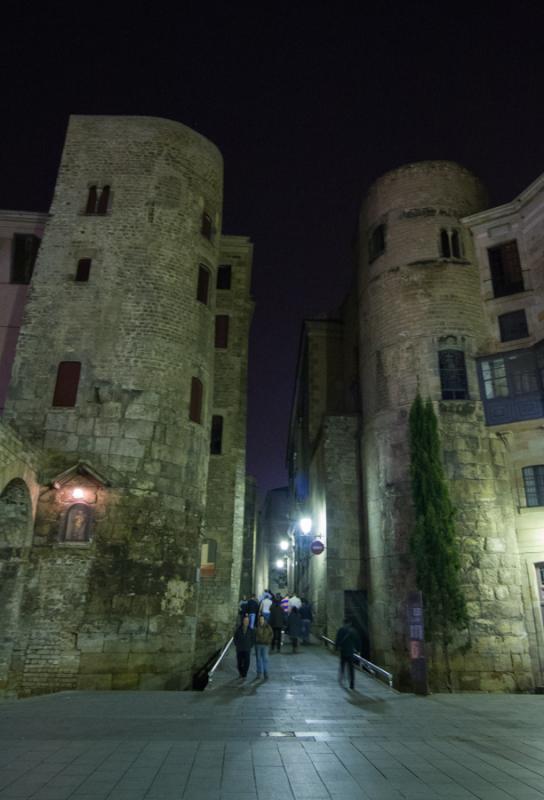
224 276
505 268
208 558
494 378
23 257
376 243
513 326
533 479
221 331
195 405
203 286
216 439
77 523
65 394
83 270
453 375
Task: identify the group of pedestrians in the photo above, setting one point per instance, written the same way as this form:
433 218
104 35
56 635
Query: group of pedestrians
263 621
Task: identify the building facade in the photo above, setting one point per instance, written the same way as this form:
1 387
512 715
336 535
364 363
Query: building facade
447 302
114 387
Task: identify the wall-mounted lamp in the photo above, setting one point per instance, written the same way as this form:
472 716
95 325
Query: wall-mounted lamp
280 563
284 545
305 524
78 493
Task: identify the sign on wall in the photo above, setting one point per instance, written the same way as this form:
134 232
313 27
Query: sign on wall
317 547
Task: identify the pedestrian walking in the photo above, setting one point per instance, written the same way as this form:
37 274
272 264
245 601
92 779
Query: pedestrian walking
263 639
347 643
294 601
276 622
252 609
294 627
306 620
264 609
244 639
242 608
285 604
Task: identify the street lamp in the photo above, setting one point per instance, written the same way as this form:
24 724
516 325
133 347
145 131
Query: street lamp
305 524
284 545
280 563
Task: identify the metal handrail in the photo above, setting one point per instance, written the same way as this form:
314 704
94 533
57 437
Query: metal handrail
373 669
222 655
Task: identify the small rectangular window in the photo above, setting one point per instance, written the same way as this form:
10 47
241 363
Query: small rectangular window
216 440
24 252
207 227
533 479
513 326
222 331
376 243
195 405
505 267
523 372
65 394
494 378
224 276
203 286
453 375
83 270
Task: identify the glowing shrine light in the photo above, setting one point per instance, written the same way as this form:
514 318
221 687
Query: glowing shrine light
279 563
305 524
78 493
284 545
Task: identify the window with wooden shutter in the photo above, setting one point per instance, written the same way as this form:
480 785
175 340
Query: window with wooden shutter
83 270
65 394
223 276
216 439
195 405
24 252
203 286
222 331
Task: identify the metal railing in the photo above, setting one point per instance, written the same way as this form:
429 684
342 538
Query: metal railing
373 669
220 658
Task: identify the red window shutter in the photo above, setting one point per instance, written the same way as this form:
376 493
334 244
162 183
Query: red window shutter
221 331
103 203
67 384
91 201
83 269
203 285
195 406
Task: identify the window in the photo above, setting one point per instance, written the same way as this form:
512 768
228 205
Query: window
533 479
453 375
83 270
65 394
23 258
376 243
195 405
223 276
494 378
221 331
450 243
505 267
98 202
208 558
77 523
513 326
207 226
522 373
202 289
216 440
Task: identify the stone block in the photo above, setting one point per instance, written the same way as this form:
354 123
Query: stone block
494 545
117 644
111 410
125 680
138 429
107 428
90 642
100 682
144 412
98 663
127 447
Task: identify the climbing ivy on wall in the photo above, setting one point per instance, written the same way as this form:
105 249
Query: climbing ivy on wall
434 543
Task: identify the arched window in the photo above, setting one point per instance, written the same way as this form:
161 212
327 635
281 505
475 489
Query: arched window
445 251
91 200
208 558
65 394
103 203
203 286
77 523
195 405
453 375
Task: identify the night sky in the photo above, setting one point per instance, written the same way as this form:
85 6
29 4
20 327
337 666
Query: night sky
308 102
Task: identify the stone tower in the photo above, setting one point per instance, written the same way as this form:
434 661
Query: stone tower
113 378
421 327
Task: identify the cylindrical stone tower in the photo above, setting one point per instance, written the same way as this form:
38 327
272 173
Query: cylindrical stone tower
421 327
128 264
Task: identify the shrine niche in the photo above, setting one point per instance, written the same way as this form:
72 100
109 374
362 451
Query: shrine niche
77 523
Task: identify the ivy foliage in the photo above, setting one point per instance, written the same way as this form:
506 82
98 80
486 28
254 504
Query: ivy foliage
434 543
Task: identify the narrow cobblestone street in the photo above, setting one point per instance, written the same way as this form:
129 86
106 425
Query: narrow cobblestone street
295 737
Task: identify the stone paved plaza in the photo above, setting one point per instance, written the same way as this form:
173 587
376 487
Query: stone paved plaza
299 736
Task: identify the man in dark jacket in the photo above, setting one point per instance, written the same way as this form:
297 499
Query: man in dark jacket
252 609
294 627
347 643
306 617
276 622
244 639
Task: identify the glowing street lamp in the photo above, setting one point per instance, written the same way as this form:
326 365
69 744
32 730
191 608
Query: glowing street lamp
280 563
305 525
284 545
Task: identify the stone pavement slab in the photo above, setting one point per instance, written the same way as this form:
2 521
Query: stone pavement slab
297 736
